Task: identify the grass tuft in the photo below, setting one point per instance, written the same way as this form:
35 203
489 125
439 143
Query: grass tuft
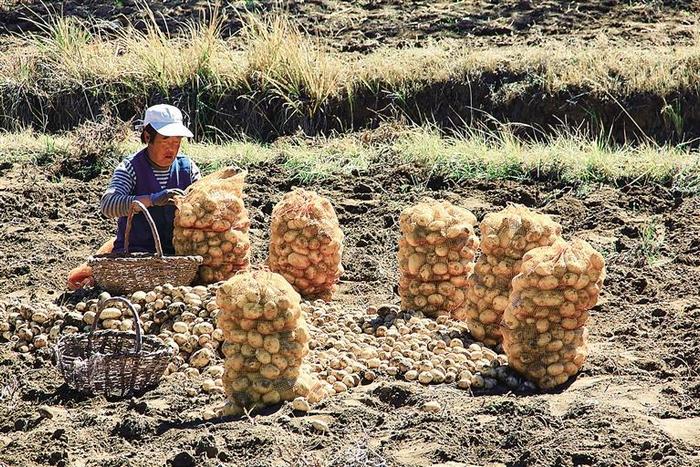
652 236
288 63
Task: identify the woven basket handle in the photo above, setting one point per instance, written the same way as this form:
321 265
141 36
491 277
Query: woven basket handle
137 206
102 306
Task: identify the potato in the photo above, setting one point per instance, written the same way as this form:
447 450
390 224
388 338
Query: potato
547 343
506 237
271 344
212 222
279 361
436 252
265 338
306 244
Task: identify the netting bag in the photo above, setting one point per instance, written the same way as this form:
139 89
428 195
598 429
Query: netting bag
505 237
265 341
436 256
306 244
223 253
544 332
212 221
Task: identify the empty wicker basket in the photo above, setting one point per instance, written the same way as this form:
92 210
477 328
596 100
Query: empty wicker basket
128 272
110 362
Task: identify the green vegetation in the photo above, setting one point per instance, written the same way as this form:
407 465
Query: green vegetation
652 239
487 156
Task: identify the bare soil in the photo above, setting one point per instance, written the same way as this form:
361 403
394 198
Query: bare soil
635 403
367 24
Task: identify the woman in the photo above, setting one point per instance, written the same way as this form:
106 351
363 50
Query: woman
153 176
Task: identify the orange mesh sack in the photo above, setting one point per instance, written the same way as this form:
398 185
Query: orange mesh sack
505 237
436 256
224 253
211 221
265 342
544 332
306 244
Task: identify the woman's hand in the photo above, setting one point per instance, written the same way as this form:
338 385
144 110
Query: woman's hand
165 196
80 277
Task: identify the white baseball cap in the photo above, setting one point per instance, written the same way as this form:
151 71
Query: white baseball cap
166 120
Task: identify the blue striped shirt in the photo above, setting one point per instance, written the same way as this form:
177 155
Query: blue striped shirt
117 200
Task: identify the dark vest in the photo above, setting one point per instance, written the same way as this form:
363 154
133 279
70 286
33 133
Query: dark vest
141 238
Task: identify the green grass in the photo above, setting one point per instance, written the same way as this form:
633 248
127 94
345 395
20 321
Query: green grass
475 156
652 238
28 146
570 158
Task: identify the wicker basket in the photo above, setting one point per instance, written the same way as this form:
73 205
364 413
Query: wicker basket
126 272
112 363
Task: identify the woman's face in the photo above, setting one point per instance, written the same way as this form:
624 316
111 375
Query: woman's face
162 150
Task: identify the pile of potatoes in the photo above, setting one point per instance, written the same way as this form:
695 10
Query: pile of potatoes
351 346
436 256
211 221
306 244
182 317
505 237
544 332
265 341
32 329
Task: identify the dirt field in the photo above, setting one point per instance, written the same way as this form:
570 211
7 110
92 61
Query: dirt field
366 25
635 403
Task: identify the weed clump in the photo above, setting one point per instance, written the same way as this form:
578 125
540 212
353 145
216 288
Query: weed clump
94 147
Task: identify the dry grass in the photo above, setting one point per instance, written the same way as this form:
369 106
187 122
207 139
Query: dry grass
272 55
279 58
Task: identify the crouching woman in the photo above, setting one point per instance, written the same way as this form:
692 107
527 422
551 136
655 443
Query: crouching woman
153 176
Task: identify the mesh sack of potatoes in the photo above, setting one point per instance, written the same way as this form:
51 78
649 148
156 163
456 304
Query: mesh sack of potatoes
505 237
544 332
265 341
306 244
223 253
211 221
436 256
